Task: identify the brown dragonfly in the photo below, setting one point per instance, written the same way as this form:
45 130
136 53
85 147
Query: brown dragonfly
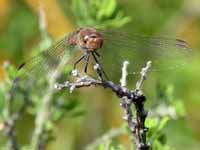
110 48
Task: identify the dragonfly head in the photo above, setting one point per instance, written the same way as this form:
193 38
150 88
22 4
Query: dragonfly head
90 39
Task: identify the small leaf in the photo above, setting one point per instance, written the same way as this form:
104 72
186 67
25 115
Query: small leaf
57 115
180 108
78 113
49 126
68 68
101 147
163 123
121 19
151 122
107 8
71 105
170 92
2 100
99 13
157 145
80 9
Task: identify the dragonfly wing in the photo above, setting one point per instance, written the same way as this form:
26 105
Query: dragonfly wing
165 53
46 61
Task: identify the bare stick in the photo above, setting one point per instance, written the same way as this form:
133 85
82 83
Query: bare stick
143 77
128 97
11 118
124 74
105 138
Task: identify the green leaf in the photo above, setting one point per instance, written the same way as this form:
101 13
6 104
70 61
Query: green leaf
180 108
57 115
157 145
21 28
99 13
101 147
78 113
71 105
107 8
163 123
49 126
9 70
80 9
2 101
151 122
170 92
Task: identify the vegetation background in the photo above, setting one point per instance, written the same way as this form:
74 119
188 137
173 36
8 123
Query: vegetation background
80 118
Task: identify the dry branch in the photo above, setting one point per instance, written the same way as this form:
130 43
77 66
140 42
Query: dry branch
128 97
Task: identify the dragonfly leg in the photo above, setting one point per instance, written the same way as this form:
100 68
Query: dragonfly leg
87 57
97 61
97 54
79 60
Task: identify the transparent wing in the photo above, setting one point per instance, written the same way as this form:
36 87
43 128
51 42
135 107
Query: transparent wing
45 62
165 53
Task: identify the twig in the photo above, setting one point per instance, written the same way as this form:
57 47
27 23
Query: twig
128 97
141 113
43 115
126 105
11 118
124 74
105 138
143 73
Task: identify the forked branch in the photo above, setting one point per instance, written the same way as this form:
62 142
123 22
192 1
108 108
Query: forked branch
128 97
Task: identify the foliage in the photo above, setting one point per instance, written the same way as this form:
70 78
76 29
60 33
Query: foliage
22 27
22 108
99 13
161 115
46 106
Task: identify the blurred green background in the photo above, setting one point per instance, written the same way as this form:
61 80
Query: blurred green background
97 110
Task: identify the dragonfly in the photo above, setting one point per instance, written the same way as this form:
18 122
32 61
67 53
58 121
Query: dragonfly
109 48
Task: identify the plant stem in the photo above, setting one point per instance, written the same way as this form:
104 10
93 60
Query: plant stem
128 98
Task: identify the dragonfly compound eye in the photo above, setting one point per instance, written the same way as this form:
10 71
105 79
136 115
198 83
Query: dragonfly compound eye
93 42
90 39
